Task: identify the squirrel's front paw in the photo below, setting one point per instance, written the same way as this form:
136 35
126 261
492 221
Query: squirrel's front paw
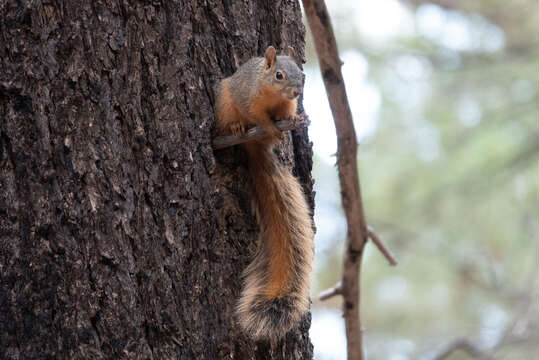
237 129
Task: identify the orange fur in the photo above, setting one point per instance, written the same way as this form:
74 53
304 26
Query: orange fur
229 116
279 274
275 218
267 104
275 294
270 103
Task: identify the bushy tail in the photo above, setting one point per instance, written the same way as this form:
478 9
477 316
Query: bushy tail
275 293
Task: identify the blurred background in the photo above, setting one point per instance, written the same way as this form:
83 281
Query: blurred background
445 101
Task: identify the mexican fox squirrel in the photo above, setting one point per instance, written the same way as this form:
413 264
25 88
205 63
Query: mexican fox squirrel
275 292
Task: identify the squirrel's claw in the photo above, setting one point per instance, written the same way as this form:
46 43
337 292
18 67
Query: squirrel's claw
237 129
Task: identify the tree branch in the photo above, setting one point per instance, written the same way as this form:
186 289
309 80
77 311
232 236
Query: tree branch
380 245
331 292
256 132
330 67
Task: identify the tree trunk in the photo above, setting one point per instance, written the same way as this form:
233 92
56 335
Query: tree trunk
122 233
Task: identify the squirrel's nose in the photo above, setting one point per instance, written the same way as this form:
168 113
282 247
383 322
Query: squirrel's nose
297 92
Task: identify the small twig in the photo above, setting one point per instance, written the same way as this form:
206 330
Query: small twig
256 132
337 289
380 245
331 292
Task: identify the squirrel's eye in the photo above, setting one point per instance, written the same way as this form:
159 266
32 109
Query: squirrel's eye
279 75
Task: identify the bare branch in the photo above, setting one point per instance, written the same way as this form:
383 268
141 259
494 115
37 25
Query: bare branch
256 132
331 292
330 67
380 245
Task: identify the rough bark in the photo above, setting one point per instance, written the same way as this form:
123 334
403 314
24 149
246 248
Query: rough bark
122 234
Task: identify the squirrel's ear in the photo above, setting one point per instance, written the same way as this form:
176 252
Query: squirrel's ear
270 57
291 52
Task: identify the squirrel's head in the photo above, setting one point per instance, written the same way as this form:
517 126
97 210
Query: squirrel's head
283 73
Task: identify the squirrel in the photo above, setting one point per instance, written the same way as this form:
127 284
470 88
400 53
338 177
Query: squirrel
275 292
